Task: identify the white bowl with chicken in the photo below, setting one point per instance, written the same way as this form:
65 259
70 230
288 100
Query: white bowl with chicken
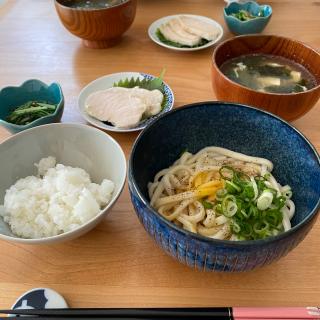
124 101
185 32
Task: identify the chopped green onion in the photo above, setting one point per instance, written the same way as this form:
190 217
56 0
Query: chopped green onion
261 227
207 205
226 172
265 200
232 187
218 208
220 194
255 188
235 227
251 204
229 206
267 176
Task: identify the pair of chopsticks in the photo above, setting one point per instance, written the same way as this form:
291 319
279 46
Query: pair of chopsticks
166 313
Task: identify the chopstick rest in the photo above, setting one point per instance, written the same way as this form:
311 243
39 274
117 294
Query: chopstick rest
40 298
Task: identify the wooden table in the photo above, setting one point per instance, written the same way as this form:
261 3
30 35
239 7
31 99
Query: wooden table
117 264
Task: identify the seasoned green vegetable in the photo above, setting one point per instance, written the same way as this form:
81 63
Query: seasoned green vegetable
244 15
163 39
30 111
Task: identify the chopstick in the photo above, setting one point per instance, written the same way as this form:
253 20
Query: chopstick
108 318
166 313
101 317
173 313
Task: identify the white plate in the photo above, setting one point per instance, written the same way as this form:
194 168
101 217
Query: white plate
107 82
156 24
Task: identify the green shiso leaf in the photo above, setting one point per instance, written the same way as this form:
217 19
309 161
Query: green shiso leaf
164 40
148 84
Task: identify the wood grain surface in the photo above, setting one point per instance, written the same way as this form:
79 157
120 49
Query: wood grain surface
117 264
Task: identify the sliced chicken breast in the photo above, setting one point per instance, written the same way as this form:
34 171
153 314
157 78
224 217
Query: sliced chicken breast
152 99
171 35
199 28
124 107
116 105
178 29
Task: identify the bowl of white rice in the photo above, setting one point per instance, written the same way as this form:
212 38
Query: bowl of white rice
58 181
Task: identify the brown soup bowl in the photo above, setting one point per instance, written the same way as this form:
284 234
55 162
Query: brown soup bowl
288 106
99 28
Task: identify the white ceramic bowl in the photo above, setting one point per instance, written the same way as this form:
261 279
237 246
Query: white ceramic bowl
152 32
75 145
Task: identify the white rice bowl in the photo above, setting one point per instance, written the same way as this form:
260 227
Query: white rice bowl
73 145
59 199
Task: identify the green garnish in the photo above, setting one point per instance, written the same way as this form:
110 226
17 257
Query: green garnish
206 204
148 84
273 71
30 111
253 208
244 15
163 39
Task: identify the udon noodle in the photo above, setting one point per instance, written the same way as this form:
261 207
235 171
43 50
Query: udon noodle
222 194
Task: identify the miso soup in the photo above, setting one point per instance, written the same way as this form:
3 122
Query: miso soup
268 73
92 4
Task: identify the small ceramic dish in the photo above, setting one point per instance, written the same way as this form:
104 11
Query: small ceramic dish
108 82
255 25
12 97
152 31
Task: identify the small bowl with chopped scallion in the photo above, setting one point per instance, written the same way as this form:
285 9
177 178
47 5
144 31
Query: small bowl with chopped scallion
246 18
32 104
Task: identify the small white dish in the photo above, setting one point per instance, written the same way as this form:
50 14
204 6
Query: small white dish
107 82
152 31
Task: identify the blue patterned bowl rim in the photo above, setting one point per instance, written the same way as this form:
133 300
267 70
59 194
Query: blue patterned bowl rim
34 122
263 35
198 236
241 5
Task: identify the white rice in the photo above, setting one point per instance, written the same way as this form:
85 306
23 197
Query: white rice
59 199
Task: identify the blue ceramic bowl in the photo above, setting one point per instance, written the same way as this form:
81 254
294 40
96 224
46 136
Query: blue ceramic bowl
251 26
239 128
12 97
